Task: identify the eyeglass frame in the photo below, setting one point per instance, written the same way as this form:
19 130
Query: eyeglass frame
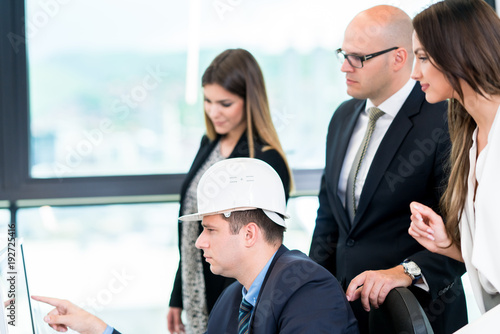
362 59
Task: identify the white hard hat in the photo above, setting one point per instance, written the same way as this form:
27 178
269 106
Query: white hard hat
240 184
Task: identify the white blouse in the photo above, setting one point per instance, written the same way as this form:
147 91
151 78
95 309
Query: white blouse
480 223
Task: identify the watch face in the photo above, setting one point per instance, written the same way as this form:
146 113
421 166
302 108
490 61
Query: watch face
413 269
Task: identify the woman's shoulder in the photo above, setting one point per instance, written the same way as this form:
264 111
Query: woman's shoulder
207 143
262 151
275 160
205 140
266 152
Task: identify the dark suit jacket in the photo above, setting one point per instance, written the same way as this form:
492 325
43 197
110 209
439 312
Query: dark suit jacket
408 166
297 296
215 284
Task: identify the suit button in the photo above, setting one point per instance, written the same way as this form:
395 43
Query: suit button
350 242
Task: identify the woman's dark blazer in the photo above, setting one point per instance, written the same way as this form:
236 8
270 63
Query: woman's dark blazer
215 284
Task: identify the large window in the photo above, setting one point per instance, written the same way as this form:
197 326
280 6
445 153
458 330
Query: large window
103 99
115 85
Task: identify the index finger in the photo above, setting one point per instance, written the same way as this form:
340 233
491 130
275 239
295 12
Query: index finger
56 302
417 210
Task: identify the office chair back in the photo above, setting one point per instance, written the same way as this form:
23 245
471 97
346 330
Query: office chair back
401 313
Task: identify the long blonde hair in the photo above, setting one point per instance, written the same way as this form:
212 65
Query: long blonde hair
462 39
237 71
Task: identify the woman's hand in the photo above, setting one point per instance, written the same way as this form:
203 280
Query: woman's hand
174 321
428 229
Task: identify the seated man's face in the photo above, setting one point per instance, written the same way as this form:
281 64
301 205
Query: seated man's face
222 249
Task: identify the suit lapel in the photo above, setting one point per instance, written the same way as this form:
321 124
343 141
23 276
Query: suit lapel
388 148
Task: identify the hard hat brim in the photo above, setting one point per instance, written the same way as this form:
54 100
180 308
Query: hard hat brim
275 217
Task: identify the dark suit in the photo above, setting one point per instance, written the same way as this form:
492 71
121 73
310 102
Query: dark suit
408 166
297 296
214 284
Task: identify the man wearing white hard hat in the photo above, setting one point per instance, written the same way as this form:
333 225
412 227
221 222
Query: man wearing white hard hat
242 205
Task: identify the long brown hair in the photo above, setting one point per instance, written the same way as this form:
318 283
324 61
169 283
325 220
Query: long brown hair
237 71
462 39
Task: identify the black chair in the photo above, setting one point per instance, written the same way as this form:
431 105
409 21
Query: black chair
401 313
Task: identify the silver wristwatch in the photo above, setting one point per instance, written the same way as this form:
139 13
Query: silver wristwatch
412 270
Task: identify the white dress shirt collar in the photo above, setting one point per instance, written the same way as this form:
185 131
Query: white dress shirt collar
393 104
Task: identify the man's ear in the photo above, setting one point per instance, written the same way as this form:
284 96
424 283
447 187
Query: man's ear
400 58
251 233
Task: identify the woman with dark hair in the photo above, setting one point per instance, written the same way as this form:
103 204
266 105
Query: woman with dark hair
457 48
238 124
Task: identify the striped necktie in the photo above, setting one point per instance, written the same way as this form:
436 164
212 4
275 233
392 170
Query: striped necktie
244 317
373 115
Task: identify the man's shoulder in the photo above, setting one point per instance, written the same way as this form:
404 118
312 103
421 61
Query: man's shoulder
349 105
292 262
439 108
294 255
230 296
345 111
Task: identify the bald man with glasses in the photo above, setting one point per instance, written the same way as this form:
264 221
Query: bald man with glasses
386 147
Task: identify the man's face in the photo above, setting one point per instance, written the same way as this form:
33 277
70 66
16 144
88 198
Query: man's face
223 250
372 80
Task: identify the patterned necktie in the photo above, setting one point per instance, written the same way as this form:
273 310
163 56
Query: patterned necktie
244 317
373 115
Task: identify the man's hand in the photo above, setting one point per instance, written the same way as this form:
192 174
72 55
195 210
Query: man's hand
67 315
373 286
174 322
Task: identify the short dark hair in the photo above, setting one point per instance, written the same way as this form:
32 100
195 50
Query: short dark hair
272 231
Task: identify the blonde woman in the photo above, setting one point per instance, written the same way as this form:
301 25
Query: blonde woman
238 124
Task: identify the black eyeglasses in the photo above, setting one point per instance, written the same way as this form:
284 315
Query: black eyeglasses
357 61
